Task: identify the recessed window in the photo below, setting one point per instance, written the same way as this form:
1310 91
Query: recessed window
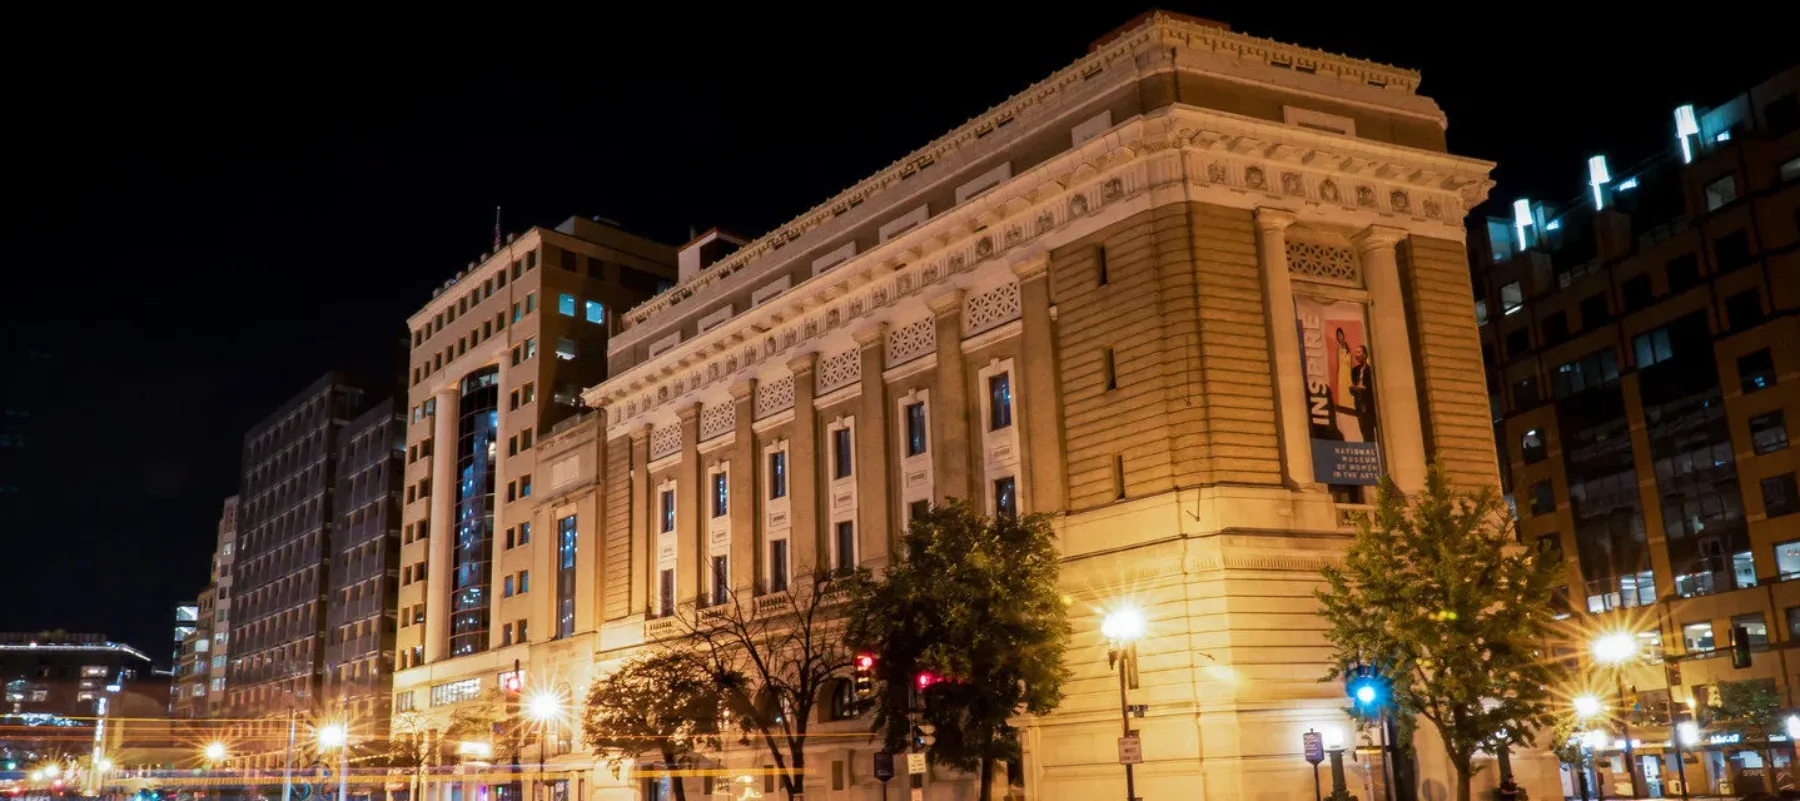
1006 499
1100 269
1756 371
1533 446
721 495
1683 272
1787 559
1768 431
1636 292
1744 309
1594 311
721 578
665 596
778 565
999 401
1543 498
1698 636
915 429
1109 376
530 302
1512 298
1721 192
596 313
846 546
917 510
1652 347
1732 250
1780 496
565 304
841 459
778 475
668 510
1755 628
565 348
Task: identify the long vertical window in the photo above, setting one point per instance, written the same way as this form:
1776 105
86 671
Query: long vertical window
566 541
665 596
476 447
668 510
842 461
778 565
1006 498
721 495
846 546
999 401
778 475
721 578
915 428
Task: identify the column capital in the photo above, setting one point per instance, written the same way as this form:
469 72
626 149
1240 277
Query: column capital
1377 237
1032 267
639 432
743 390
871 336
946 303
688 412
1269 218
803 364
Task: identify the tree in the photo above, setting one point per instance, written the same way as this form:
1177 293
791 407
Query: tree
774 658
667 703
977 601
1752 709
1436 594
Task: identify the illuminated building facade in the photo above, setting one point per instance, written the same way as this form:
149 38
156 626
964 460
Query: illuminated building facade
1188 295
1643 364
361 617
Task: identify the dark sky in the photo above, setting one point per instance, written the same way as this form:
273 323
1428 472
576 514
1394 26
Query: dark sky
209 221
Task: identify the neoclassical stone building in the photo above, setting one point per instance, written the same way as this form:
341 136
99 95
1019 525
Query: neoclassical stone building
1189 295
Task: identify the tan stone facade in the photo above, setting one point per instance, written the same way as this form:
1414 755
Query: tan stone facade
1094 316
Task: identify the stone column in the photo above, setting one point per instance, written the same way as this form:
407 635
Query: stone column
804 537
950 408
438 575
1396 390
875 530
643 491
1284 341
691 508
1046 479
746 495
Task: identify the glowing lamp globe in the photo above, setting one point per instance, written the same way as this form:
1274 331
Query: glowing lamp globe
1123 625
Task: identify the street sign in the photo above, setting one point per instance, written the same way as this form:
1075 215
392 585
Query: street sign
1131 750
915 763
1315 746
918 794
884 765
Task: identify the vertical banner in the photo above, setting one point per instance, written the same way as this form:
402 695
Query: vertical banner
1340 390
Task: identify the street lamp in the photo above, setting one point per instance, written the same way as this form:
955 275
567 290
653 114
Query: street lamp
543 707
337 735
1122 629
214 752
1616 650
1586 706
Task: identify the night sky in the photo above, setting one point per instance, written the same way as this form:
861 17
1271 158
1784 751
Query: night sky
207 222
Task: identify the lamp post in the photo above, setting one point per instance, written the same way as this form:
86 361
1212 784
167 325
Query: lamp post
1616 650
337 735
1586 707
214 752
543 708
1122 629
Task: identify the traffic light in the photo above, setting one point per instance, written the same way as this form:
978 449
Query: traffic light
921 682
512 687
1367 688
865 676
924 736
1740 647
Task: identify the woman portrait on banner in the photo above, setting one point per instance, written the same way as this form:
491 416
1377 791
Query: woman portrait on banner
1354 390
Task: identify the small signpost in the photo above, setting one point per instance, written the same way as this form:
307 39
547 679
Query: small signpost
915 763
1131 750
1314 745
884 765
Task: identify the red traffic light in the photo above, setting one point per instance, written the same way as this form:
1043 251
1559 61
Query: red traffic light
925 679
865 661
512 683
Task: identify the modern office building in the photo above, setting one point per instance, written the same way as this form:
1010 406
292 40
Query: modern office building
1643 362
1159 295
499 356
287 514
224 558
190 674
361 620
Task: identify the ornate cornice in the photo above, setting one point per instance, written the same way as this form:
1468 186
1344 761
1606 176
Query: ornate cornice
1273 219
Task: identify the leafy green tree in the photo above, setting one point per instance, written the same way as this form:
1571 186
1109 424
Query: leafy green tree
666 703
977 602
773 658
1752 709
1436 593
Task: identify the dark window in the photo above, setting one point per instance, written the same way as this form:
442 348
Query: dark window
1768 432
1780 496
1108 369
1533 447
1100 265
637 280
1782 115
1594 311
721 579
1593 370
567 261
915 429
778 565
1732 250
1006 501
1744 309
1518 343
524 533
665 596
778 475
1555 327
596 268
668 510
1684 272
1756 370
1549 548
1525 393
721 495
531 260
1652 347
841 459
846 545
999 401
1793 620
917 510
1543 498
1637 293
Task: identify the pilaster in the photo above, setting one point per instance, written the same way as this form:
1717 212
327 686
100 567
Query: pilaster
1284 344
643 552
875 469
950 413
691 508
1046 473
1402 436
438 575
803 471
746 499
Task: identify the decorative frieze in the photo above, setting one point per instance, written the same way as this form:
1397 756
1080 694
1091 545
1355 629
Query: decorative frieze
665 441
774 396
840 370
717 420
910 341
991 309
1313 258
